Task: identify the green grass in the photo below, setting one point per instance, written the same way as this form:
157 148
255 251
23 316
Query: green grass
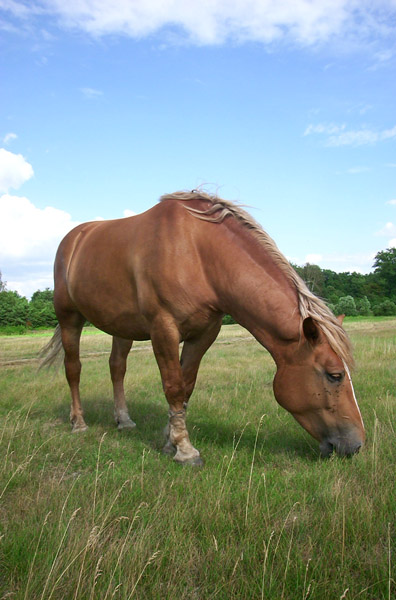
105 515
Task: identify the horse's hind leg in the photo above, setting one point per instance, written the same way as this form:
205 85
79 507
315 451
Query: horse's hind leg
71 332
117 362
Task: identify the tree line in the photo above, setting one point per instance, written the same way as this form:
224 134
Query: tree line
18 314
354 293
346 293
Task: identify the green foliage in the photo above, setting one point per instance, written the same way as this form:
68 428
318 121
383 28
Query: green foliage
228 320
346 306
41 309
18 314
385 269
3 284
13 309
363 306
373 293
313 276
385 308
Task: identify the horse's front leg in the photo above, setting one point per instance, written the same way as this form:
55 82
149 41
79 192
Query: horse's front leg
165 340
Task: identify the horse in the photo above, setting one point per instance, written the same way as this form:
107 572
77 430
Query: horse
169 275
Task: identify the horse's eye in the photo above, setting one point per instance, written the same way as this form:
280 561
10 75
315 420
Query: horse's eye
335 377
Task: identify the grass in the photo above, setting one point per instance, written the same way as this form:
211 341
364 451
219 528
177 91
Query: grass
104 515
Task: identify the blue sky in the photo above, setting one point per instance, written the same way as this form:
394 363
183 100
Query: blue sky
285 106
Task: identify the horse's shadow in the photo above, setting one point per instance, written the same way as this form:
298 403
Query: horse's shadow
151 417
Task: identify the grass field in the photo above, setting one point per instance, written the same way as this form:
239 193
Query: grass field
104 515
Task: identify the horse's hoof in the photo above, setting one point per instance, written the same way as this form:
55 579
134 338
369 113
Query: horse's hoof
126 425
169 449
195 461
79 428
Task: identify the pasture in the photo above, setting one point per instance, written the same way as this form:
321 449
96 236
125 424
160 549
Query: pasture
104 515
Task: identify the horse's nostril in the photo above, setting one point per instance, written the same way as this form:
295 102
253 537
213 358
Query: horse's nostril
341 446
326 449
348 450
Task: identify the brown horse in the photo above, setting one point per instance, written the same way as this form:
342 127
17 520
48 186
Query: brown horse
169 275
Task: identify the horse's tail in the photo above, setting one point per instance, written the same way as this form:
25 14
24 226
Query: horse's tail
52 353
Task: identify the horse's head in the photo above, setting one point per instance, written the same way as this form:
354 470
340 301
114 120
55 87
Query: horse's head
314 385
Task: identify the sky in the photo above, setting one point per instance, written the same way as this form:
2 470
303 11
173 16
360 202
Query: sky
285 106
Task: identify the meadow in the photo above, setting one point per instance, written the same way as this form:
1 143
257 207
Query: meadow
104 515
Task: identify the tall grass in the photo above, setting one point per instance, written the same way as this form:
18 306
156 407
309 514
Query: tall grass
105 515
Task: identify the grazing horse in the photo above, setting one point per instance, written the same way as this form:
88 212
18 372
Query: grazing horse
169 275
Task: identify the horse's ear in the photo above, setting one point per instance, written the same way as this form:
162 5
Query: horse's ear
340 319
311 330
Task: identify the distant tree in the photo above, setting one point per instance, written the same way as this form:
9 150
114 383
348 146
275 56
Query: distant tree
385 268
313 277
13 309
3 284
363 306
374 288
298 270
385 308
228 320
356 284
332 307
43 296
346 306
331 294
41 309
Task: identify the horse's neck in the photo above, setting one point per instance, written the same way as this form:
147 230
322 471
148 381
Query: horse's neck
268 314
260 296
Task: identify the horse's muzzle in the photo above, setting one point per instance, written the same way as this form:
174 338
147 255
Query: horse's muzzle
344 446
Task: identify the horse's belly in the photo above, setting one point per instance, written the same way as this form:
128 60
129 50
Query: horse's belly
127 325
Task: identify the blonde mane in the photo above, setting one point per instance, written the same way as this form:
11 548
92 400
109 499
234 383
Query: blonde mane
309 304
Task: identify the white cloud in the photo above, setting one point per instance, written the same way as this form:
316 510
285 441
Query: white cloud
384 55
313 259
129 213
90 93
14 170
359 262
391 201
325 128
388 230
358 170
28 232
28 242
353 138
29 236
215 21
9 137
337 135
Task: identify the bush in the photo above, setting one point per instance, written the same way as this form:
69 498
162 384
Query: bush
346 306
332 307
41 309
42 315
13 330
13 309
363 306
228 320
385 308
